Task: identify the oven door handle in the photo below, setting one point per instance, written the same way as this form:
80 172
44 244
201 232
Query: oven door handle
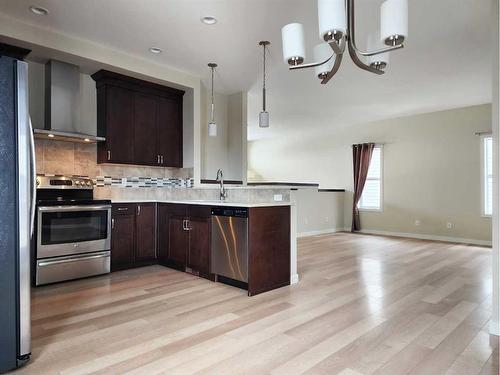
73 208
73 259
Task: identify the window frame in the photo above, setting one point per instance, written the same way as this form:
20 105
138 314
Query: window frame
381 179
484 175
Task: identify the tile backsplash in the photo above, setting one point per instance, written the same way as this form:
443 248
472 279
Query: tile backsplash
76 159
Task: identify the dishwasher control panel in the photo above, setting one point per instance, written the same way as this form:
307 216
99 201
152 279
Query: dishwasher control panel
230 211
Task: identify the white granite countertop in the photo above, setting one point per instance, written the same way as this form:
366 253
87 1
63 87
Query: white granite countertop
205 202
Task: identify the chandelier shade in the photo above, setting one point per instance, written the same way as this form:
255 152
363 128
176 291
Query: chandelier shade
294 51
332 17
321 52
393 21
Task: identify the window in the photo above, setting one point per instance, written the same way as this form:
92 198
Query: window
487 175
371 198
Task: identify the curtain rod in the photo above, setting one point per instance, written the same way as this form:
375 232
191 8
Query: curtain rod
484 132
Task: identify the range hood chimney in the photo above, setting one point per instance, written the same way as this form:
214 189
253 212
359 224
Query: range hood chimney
63 105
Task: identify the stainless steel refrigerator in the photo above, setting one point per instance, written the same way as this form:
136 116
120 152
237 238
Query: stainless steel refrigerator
17 182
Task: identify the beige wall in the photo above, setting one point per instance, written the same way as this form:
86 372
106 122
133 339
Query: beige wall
431 171
318 212
226 151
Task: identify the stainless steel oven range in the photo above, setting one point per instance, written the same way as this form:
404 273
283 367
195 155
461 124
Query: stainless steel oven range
73 230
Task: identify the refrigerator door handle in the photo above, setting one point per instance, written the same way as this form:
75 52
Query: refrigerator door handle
33 177
24 135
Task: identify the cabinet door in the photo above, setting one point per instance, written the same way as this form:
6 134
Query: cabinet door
145 130
199 239
116 120
170 131
145 232
199 245
122 241
178 241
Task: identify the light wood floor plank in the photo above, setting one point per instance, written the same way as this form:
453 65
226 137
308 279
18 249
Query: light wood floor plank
364 305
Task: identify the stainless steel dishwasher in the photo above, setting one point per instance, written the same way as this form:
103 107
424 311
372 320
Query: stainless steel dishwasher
230 244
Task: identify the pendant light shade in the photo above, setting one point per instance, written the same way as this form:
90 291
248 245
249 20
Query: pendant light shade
394 21
212 126
381 60
264 119
321 52
212 129
294 51
332 17
264 115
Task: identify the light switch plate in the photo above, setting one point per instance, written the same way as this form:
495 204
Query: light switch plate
278 197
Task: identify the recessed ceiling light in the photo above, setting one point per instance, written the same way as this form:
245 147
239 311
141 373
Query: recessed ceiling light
50 135
155 50
209 20
87 140
40 11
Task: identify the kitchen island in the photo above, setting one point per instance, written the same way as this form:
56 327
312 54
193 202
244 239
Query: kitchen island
180 234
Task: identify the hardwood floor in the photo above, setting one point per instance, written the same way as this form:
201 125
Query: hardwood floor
364 305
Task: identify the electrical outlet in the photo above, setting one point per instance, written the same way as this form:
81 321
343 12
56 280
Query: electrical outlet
449 225
278 197
417 223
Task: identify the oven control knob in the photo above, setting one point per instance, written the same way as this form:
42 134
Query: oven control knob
89 183
77 182
38 181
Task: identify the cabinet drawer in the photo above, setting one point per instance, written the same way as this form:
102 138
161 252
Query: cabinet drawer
123 209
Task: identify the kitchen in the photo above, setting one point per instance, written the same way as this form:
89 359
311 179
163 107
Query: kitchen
114 193
220 187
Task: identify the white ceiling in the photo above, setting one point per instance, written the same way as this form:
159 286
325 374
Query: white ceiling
446 62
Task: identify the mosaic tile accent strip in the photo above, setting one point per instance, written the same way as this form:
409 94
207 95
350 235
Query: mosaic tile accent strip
144 182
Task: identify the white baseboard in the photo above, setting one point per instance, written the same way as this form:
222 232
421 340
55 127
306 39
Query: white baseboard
319 232
424 237
294 279
494 328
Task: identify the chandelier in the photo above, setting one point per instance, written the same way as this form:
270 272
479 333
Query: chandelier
337 31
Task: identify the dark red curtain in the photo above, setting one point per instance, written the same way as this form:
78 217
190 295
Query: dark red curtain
361 156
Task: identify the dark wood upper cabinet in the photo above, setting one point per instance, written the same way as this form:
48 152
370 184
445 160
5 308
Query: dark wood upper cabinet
141 121
145 130
169 141
145 248
115 109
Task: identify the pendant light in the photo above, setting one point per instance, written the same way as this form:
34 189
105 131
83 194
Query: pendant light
212 126
264 115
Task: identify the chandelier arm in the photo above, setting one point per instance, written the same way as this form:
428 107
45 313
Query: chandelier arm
335 47
360 64
331 73
352 37
311 65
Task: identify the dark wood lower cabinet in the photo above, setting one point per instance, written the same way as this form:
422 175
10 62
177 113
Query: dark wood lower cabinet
145 227
179 236
268 248
122 236
184 238
199 224
133 236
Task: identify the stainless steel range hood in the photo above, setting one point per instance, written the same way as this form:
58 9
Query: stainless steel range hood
63 106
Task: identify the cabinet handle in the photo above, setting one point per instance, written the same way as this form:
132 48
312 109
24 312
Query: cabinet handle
162 159
112 223
138 209
157 159
122 208
109 155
